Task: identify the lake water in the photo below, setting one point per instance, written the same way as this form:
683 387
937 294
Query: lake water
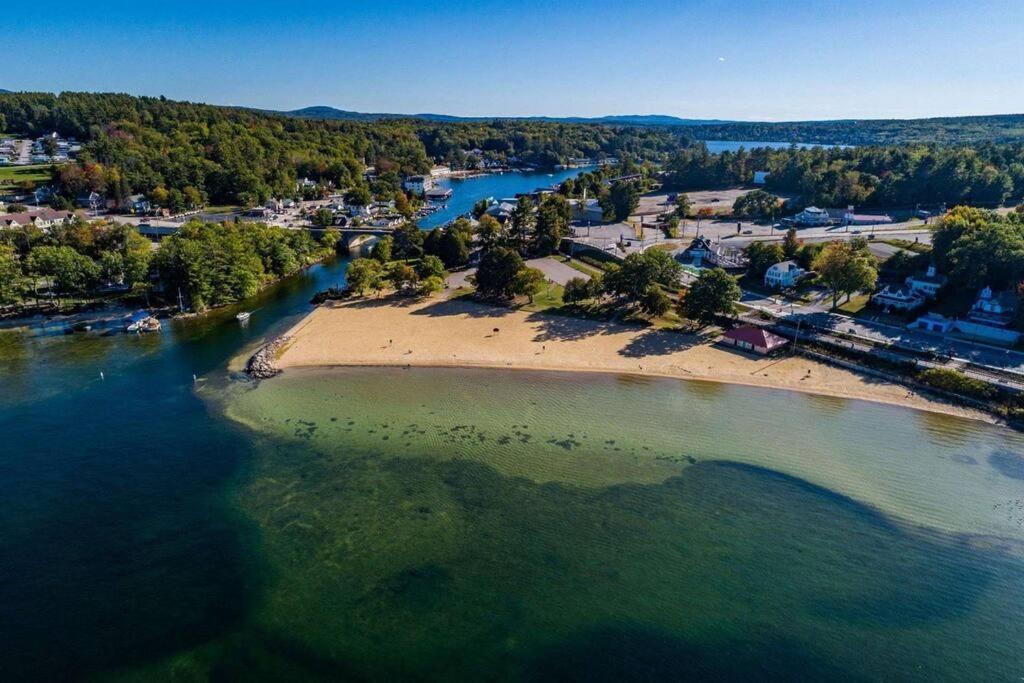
466 192
466 524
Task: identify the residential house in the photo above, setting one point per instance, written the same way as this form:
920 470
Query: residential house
754 339
40 218
811 217
785 274
994 309
137 204
927 284
898 298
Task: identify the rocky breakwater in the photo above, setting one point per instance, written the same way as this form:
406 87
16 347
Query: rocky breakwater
262 364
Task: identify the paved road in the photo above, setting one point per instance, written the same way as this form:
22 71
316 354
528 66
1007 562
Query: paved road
556 271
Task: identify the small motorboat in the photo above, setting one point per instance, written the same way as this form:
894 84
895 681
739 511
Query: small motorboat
243 316
141 321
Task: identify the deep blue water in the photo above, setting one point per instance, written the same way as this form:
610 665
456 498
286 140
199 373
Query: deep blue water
465 193
117 542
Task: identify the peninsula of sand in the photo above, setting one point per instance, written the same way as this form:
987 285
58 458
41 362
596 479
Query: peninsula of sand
462 333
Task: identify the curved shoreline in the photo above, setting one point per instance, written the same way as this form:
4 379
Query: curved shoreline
464 334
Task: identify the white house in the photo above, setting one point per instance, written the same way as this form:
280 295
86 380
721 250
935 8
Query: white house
899 298
928 284
40 218
994 309
812 217
785 274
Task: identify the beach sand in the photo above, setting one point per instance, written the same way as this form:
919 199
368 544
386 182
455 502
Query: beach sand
439 333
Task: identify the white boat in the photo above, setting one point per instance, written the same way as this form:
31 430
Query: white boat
243 316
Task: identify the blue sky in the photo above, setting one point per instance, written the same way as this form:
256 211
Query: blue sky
738 59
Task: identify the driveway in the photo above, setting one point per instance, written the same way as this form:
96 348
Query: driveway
556 271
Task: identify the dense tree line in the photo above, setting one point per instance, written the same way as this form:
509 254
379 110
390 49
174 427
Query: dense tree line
987 175
947 130
209 264
978 248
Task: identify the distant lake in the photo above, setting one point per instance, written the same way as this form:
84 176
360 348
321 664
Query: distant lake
467 192
719 146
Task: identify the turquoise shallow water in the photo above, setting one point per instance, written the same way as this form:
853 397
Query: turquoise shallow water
465 524
454 524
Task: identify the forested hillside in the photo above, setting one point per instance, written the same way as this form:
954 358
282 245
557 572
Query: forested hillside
948 130
197 153
893 176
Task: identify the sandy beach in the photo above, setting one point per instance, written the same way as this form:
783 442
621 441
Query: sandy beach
439 333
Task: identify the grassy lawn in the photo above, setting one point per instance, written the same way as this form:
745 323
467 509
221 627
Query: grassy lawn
916 247
225 208
12 175
548 298
576 264
856 304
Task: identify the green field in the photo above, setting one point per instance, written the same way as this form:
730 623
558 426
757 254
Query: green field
12 175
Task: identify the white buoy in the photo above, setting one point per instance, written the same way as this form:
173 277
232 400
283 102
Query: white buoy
101 375
194 378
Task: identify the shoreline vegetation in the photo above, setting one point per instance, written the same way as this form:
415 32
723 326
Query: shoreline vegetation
458 332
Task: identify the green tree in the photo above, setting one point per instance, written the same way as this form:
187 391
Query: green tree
845 269
364 275
453 249
403 278
322 218
382 250
655 302
480 208
67 270
638 272
359 196
683 205
330 240
529 282
761 256
12 279
490 232
714 293
756 204
621 201
553 219
408 241
522 223
430 285
430 266
496 275
790 244
577 289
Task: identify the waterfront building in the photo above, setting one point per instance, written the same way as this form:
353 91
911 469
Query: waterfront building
754 339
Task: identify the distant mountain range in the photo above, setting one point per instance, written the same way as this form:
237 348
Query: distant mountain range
322 112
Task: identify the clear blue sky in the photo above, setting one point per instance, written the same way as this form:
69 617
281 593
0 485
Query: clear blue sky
738 59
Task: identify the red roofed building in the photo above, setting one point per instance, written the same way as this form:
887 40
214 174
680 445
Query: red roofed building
750 338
